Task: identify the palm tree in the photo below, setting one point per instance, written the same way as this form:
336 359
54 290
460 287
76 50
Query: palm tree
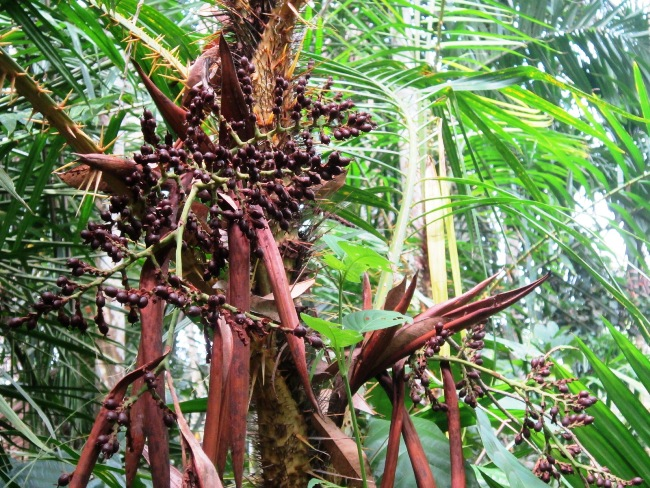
499 125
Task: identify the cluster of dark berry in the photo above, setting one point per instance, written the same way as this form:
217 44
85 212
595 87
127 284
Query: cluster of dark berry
53 302
246 69
434 344
117 417
570 406
604 478
569 411
418 379
474 344
547 468
533 421
268 177
541 370
120 215
169 417
313 339
421 390
582 401
469 388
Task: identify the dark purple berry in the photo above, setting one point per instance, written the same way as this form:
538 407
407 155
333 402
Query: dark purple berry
110 291
64 479
193 311
107 449
111 404
169 419
16 322
316 342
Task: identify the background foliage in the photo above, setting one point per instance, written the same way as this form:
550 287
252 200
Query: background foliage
516 132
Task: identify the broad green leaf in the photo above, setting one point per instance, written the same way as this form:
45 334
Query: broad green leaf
354 259
518 475
338 337
332 242
359 259
490 482
331 261
367 320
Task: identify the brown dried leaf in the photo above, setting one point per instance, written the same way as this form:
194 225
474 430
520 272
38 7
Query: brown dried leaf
362 405
109 163
442 308
220 361
342 450
229 200
366 293
175 476
332 186
197 72
239 293
233 103
297 289
203 467
265 305
111 169
395 295
146 417
378 340
286 309
404 303
172 113
78 178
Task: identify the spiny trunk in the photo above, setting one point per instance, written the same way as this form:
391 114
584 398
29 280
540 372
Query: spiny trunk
282 431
